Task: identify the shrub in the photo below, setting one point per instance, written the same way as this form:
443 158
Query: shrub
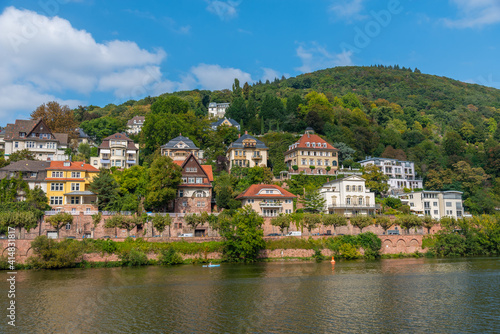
169 257
133 258
317 255
50 254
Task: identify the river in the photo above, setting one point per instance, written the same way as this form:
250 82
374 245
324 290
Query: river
386 296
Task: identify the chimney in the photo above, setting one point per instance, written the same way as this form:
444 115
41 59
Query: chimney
239 135
246 132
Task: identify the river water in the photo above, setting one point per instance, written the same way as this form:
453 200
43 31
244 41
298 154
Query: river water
386 296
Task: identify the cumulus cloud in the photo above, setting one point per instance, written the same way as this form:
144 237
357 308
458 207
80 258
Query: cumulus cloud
317 57
217 77
225 10
475 13
347 10
270 74
45 57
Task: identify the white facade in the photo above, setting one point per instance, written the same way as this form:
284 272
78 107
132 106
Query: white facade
134 125
348 196
217 110
437 204
43 151
401 173
118 152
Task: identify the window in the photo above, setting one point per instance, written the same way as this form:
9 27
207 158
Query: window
191 180
311 162
51 145
327 162
348 201
57 174
334 163
22 134
33 174
181 193
68 226
184 180
436 212
30 144
347 188
74 200
319 162
435 203
360 188
199 180
75 174
194 169
199 194
308 144
324 145
303 161
185 203
427 212
56 200
448 204
314 145
16 144
427 204
360 201
200 203
75 187
56 187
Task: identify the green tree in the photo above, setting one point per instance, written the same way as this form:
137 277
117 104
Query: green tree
161 222
453 144
170 104
24 154
334 220
376 181
361 221
243 236
314 202
384 222
428 222
282 221
164 177
311 221
100 128
408 221
59 220
106 189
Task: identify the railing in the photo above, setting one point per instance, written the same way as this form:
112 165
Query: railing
271 204
90 213
53 212
131 161
105 161
346 205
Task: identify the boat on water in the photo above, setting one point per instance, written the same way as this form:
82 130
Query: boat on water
211 265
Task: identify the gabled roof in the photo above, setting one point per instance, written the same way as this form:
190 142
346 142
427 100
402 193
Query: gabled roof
73 166
26 166
239 142
207 169
137 119
347 178
254 189
220 121
311 138
118 136
27 126
180 139
82 134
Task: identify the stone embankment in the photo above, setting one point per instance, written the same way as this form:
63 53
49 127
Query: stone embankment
391 244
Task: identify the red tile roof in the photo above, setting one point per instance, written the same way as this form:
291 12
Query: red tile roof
313 138
206 168
254 189
74 165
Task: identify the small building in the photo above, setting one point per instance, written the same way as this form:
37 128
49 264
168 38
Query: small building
117 150
247 151
67 184
267 200
32 171
401 173
179 149
312 155
36 137
225 121
217 110
348 196
437 204
134 125
83 138
194 195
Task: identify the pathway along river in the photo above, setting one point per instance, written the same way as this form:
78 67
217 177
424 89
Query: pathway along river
387 296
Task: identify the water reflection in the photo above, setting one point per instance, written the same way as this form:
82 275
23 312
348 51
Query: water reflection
403 295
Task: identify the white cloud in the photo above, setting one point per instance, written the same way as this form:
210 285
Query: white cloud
225 10
216 77
44 57
347 10
317 57
475 13
270 74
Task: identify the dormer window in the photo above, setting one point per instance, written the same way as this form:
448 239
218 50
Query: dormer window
314 144
324 145
22 134
308 144
67 164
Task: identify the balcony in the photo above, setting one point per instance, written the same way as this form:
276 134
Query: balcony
105 161
131 161
351 206
271 204
257 157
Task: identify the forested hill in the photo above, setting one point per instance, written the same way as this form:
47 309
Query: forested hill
403 86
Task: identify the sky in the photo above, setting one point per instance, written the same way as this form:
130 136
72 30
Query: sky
80 52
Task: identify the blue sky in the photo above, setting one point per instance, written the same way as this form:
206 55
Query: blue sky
82 52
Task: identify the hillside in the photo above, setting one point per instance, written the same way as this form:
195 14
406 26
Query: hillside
447 127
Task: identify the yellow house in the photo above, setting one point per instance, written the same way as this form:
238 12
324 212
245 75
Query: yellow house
67 183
